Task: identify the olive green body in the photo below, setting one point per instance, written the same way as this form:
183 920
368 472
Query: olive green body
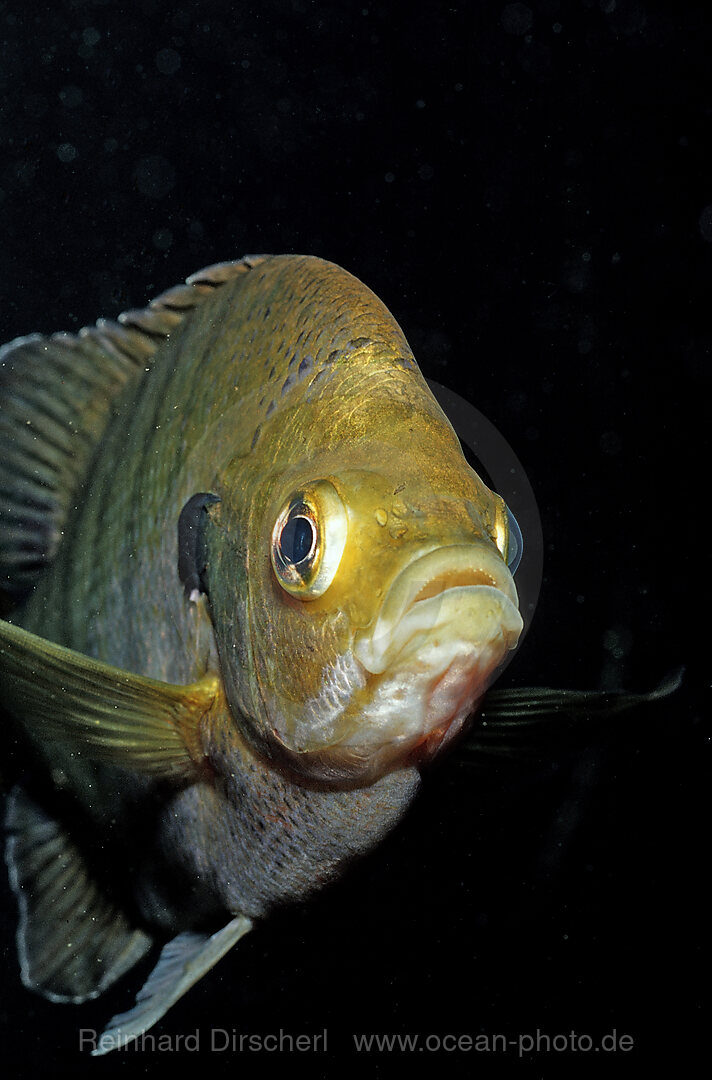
291 372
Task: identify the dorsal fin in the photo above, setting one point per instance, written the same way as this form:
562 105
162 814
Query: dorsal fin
55 401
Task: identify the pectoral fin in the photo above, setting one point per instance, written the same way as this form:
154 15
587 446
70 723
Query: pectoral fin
99 710
183 961
516 721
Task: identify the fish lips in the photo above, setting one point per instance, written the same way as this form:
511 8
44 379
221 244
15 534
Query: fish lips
433 663
447 622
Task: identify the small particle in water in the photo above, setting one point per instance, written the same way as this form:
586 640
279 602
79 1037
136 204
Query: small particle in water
71 96
516 19
154 176
162 239
66 152
610 443
168 61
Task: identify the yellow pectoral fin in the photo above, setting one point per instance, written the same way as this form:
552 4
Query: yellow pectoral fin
99 710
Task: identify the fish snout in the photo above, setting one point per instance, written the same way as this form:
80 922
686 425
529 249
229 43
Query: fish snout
411 679
436 589
447 622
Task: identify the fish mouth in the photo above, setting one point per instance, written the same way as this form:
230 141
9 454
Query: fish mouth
447 623
431 590
415 675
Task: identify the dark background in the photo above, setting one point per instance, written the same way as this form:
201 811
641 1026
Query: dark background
528 187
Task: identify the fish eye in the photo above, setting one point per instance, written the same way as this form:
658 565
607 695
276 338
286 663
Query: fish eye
508 536
308 540
297 539
515 547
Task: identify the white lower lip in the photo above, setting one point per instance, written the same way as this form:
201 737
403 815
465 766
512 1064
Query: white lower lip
440 688
472 615
435 665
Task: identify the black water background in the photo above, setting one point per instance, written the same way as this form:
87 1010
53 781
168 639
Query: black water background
529 189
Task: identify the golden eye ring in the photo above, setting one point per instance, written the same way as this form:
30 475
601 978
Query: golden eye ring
308 540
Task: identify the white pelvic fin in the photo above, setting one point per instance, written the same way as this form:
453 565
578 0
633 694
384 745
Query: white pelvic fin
183 961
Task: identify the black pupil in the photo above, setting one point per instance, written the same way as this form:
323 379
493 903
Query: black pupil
296 539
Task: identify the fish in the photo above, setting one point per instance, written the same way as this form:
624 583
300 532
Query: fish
254 589
251 590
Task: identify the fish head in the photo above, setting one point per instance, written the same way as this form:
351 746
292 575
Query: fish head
379 599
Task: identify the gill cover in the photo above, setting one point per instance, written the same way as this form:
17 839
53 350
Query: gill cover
192 551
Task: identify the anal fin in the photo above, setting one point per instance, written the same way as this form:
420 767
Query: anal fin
73 942
183 961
